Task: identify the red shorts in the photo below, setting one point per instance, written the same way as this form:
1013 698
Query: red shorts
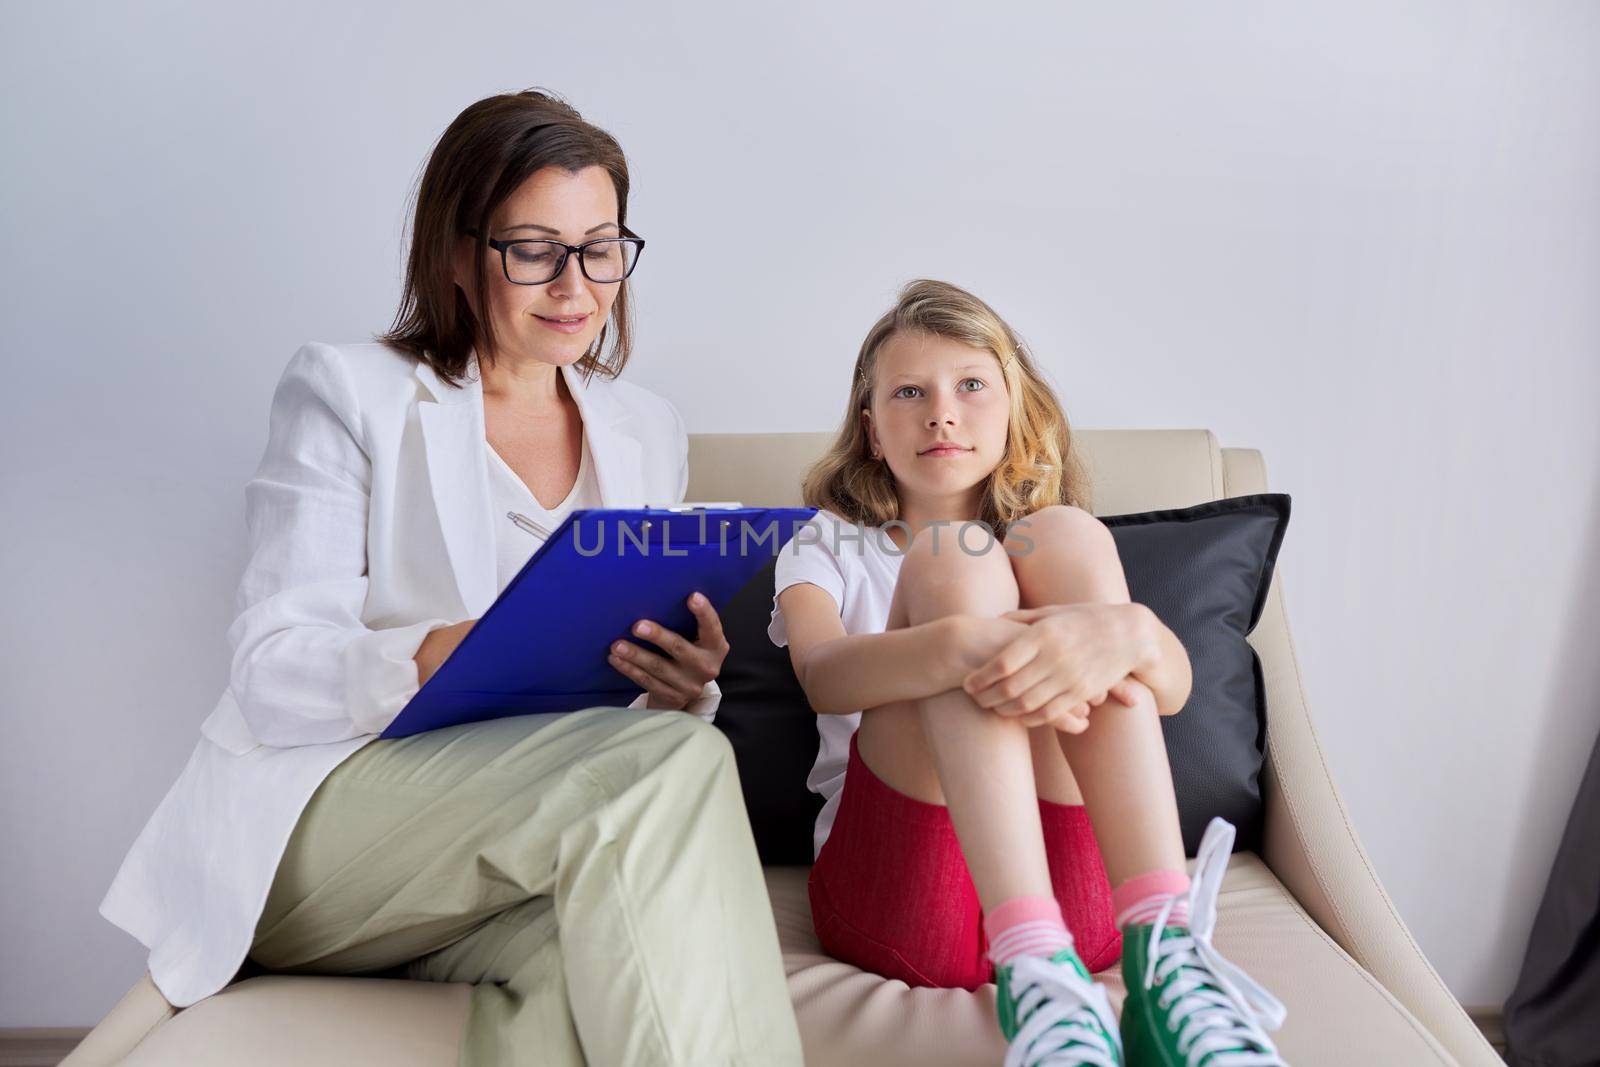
891 893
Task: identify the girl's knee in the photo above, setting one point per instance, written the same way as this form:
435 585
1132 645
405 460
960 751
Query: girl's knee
1062 525
955 568
954 543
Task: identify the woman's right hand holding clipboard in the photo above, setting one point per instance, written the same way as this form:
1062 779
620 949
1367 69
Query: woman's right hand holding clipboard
678 677
672 679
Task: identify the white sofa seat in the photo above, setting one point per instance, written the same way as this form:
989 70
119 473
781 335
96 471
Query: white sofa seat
1338 1013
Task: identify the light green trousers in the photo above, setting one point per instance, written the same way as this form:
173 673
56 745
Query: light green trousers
593 874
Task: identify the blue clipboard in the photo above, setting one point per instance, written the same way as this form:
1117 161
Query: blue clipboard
542 645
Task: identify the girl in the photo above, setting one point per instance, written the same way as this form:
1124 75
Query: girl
984 688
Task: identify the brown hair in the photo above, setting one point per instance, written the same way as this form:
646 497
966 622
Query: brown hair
481 158
1039 467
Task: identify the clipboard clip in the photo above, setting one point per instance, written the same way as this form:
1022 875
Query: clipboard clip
708 505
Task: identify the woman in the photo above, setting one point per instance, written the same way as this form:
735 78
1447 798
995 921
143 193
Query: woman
379 533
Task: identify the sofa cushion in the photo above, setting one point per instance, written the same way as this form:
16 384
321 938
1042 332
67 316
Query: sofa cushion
1338 1014
1204 570
771 726
311 1021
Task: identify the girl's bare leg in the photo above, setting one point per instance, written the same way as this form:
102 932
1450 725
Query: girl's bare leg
1052 777
1120 762
945 749
895 745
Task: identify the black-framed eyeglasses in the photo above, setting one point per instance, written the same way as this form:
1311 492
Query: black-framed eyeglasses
535 261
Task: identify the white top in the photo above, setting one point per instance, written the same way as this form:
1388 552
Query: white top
514 545
858 566
371 522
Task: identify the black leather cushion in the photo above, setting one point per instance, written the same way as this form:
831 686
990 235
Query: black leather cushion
766 716
1203 570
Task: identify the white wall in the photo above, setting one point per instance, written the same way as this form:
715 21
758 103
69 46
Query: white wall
1363 239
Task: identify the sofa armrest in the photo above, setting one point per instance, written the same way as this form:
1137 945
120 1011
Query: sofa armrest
1309 842
140 1011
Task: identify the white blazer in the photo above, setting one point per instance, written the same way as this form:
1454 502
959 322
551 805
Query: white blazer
370 523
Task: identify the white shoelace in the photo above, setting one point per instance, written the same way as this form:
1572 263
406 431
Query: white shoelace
1065 1007
1211 1021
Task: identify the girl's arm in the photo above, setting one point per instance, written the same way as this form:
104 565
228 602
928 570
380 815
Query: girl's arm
1166 669
842 672
1128 636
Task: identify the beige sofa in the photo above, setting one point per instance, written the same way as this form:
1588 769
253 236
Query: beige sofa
1307 917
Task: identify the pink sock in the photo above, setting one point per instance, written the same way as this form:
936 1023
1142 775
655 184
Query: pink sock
1141 898
1025 926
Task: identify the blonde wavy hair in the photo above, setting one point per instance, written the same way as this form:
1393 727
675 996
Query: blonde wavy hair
1040 466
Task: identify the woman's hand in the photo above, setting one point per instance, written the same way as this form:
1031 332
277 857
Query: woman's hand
1071 659
437 646
678 677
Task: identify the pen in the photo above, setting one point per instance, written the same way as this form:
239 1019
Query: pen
529 525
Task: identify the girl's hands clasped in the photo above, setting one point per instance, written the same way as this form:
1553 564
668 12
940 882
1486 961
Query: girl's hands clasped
678 677
1070 659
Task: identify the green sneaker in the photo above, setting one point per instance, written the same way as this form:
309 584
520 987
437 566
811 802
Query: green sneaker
1187 1006
1054 1015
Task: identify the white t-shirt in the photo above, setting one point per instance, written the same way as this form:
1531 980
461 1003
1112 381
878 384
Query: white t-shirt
514 546
857 565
